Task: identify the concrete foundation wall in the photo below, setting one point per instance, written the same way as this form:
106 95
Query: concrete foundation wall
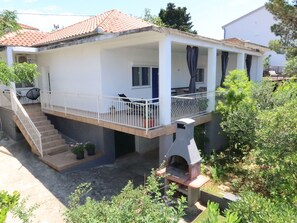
81 132
216 139
8 126
143 145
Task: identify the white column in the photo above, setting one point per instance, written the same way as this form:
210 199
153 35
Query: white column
165 80
240 61
211 77
165 141
9 58
259 68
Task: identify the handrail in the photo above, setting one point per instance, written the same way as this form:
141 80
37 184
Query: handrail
26 121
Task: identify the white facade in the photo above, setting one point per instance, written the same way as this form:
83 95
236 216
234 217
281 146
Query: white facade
255 27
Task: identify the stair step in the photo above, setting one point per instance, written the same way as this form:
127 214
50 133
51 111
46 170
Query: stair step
53 143
38 118
48 132
45 127
50 138
41 123
55 149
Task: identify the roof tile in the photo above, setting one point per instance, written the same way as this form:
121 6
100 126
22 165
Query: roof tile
109 22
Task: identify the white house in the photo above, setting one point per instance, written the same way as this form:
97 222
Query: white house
86 65
255 27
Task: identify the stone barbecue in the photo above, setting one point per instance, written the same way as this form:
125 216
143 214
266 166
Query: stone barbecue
183 162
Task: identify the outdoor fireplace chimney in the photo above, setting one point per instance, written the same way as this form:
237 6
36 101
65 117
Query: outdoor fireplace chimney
184 144
183 162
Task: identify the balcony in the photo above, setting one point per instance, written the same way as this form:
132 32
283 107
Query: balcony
135 116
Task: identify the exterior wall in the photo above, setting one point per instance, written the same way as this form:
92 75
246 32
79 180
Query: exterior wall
8 126
180 72
257 30
117 70
81 132
75 69
143 145
3 56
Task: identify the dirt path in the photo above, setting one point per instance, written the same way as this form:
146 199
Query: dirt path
22 171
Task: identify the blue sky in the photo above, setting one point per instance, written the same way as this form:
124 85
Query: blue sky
208 16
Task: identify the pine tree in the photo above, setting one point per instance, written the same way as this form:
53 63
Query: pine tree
177 18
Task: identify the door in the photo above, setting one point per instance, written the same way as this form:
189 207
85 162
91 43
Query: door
155 82
124 143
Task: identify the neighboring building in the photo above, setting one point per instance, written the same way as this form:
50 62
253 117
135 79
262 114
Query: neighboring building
86 65
255 27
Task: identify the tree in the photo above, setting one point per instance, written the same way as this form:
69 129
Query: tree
152 18
8 22
285 13
18 73
177 18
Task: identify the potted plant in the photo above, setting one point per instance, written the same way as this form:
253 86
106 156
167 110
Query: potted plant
78 150
90 148
150 119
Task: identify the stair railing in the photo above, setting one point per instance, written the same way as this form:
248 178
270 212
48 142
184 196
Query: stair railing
26 121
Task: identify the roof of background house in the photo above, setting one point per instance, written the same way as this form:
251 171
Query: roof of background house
26 37
241 17
23 26
109 22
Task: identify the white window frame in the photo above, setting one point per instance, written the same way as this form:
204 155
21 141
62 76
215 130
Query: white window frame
140 76
204 75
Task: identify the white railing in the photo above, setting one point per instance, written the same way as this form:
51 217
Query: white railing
27 123
5 99
191 105
133 112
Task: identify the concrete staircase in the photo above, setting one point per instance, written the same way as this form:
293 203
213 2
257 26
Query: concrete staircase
52 141
56 153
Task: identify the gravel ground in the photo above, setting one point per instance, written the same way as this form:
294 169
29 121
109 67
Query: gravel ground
22 171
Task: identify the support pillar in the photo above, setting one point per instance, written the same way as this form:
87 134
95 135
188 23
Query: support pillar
211 77
259 74
165 141
9 58
165 80
240 61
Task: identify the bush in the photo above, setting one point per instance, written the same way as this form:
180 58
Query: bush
140 204
237 109
7 202
276 154
252 207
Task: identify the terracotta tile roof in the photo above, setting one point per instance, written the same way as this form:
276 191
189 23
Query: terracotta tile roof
23 26
235 41
22 38
109 22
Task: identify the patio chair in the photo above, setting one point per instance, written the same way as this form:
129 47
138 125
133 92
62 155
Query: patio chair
33 94
136 107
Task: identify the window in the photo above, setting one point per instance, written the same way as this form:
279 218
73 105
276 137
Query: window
200 75
141 76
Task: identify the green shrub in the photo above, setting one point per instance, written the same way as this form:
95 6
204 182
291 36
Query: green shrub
254 208
7 202
276 154
213 215
140 204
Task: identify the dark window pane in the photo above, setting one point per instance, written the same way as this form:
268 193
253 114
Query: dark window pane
135 76
145 76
